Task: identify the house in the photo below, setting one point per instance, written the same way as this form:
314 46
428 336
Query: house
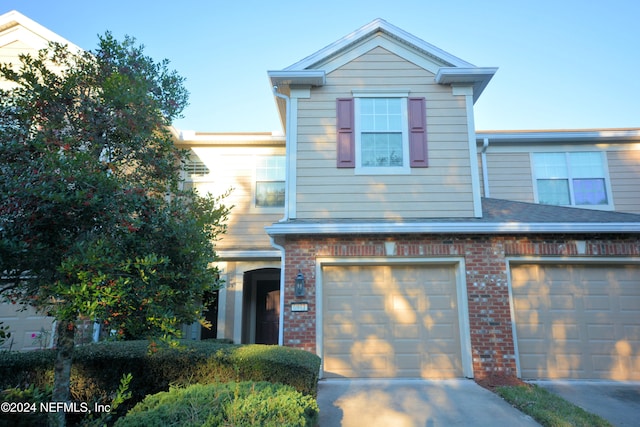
387 235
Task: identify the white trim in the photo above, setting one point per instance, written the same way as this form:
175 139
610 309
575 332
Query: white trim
44 34
450 227
291 174
405 169
222 302
238 291
521 260
473 154
479 77
248 254
578 135
380 93
370 30
461 294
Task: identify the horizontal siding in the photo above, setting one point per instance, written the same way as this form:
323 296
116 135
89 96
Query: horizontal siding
510 176
234 169
443 189
624 171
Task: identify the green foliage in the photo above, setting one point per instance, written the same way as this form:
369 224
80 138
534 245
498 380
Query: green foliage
227 404
31 395
98 368
549 409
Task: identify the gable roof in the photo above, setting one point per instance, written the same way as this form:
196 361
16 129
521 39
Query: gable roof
498 217
371 29
15 26
449 69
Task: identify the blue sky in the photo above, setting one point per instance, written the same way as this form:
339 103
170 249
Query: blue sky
563 64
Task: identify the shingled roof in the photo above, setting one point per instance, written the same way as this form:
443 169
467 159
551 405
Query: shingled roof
499 217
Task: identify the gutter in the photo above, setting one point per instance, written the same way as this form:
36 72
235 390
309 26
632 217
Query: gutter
283 229
288 151
281 319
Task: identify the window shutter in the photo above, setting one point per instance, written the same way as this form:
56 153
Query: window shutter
418 154
346 134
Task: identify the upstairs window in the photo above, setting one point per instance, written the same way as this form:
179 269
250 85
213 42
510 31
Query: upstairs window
270 181
381 133
381 139
571 179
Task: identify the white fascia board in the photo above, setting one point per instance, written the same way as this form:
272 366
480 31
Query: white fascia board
297 77
366 31
248 254
7 19
450 228
479 77
561 135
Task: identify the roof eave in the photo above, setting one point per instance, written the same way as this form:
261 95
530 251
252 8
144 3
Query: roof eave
283 229
478 77
297 78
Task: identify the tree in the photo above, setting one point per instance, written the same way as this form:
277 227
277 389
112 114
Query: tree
93 221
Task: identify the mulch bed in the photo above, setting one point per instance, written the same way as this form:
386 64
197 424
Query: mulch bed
497 380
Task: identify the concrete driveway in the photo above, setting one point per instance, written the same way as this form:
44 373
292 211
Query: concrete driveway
618 403
413 403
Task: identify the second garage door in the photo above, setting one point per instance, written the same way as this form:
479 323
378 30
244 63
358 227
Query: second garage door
389 321
578 321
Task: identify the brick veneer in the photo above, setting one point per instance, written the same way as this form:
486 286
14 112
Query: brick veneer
490 325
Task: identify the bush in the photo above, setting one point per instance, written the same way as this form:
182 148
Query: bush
98 368
225 404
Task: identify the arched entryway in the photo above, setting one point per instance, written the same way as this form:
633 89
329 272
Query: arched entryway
261 306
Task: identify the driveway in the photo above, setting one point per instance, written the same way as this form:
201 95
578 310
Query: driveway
618 403
413 403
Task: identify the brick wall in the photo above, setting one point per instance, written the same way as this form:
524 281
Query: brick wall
490 325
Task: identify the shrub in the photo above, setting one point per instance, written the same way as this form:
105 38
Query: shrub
98 368
223 404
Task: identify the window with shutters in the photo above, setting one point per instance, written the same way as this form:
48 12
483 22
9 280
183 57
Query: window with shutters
381 133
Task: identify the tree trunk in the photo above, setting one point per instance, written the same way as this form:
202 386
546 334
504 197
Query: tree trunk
62 369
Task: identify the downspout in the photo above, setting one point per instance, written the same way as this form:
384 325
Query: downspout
485 172
281 319
287 192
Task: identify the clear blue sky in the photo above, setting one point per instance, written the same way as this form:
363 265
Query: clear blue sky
563 64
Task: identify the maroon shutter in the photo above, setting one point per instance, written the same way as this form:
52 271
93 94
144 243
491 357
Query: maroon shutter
346 133
418 154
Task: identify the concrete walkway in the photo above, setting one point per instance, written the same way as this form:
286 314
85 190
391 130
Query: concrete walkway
413 403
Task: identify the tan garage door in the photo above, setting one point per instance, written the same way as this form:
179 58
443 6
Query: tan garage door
390 321
576 321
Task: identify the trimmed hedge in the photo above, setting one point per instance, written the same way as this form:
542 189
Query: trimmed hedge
225 404
98 368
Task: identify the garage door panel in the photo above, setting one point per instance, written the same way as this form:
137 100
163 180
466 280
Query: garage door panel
396 331
577 321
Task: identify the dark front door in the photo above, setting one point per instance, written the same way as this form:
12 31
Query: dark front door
211 315
267 311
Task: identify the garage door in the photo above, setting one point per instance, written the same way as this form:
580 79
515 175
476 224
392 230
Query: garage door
390 321
576 321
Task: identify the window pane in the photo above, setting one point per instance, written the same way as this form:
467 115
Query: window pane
270 168
270 194
380 114
550 165
586 165
553 191
381 149
589 192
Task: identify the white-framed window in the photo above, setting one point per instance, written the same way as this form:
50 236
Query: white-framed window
270 182
571 179
381 139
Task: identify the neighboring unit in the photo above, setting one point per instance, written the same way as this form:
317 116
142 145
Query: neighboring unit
387 235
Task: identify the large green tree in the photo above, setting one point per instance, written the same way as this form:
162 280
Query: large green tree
93 221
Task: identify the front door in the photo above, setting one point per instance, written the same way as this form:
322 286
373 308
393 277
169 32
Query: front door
267 311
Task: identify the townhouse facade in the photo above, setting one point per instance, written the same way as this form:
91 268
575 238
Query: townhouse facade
383 232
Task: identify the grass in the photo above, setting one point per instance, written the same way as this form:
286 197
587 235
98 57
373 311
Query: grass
549 409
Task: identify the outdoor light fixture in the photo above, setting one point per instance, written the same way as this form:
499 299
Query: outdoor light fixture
300 284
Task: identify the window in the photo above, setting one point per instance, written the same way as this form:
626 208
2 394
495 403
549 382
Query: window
381 133
270 181
571 179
